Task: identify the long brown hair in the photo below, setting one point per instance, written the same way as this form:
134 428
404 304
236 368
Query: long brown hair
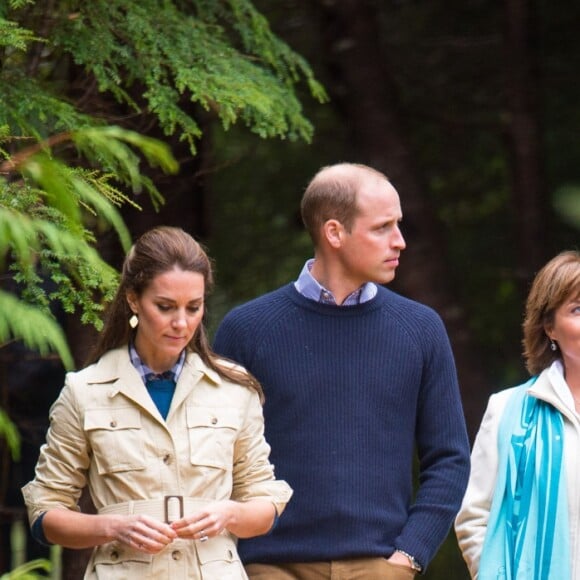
557 282
157 251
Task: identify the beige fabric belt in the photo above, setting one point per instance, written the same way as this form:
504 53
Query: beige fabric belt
167 509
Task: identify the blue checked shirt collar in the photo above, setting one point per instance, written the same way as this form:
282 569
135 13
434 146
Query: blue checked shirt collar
310 288
147 374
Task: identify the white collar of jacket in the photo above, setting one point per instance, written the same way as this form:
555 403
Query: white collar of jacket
551 387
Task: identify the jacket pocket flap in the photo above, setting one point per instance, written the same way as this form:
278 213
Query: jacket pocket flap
212 417
113 553
112 419
219 548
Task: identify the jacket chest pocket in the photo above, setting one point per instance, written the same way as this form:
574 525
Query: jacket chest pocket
116 438
212 436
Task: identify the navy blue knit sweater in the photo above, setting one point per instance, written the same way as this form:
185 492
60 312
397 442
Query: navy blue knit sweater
351 393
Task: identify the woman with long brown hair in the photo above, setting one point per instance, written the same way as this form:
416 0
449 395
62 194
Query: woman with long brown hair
167 436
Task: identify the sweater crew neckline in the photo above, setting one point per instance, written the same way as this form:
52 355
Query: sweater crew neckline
334 309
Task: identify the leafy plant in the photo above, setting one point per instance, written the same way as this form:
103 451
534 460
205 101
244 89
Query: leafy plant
44 207
28 571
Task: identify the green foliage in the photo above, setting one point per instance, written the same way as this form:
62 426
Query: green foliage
14 36
113 147
220 55
36 329
29 571
43 236
32 112
9 433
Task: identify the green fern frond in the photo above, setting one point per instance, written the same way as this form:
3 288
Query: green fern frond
104 209
14 36
37 330
28 570
24 237
9 433
104 184
109 145
157 153
113 149
20 3
224 58
53 179
31 109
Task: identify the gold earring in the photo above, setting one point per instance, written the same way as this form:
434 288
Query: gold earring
134 321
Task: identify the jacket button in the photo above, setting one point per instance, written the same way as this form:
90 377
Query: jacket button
114 555
167 459
176 555
214 421
230 554
113 424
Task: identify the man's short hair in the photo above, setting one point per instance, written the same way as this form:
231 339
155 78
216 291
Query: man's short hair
332 194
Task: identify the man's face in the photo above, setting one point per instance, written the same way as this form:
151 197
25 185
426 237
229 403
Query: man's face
370 251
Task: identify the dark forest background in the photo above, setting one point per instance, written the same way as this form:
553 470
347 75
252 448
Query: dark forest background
470 107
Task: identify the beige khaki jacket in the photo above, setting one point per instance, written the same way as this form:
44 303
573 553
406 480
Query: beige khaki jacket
106 432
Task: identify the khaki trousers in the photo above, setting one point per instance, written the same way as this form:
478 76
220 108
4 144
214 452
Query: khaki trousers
355 569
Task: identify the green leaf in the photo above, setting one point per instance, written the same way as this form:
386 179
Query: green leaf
24 236
37 330
27 571
9 432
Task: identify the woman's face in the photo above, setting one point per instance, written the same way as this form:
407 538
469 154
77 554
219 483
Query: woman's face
566 332
170 309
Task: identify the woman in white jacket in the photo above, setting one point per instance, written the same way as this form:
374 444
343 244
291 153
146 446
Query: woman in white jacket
520 516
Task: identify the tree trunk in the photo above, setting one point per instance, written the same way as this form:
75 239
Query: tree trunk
523 135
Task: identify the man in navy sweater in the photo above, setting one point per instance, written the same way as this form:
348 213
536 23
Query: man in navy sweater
356 378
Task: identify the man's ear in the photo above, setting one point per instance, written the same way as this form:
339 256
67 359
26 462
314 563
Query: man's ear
333 232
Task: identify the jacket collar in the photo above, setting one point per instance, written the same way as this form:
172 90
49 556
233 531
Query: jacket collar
550 386
115 369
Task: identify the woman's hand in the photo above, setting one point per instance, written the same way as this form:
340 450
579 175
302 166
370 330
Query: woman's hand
76 530
207 523
243 519
144 533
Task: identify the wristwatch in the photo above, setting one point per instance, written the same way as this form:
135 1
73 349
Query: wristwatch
414 564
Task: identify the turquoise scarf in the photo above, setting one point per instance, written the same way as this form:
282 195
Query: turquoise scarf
527 533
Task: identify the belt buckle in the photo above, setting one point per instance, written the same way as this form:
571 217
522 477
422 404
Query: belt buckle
166 506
